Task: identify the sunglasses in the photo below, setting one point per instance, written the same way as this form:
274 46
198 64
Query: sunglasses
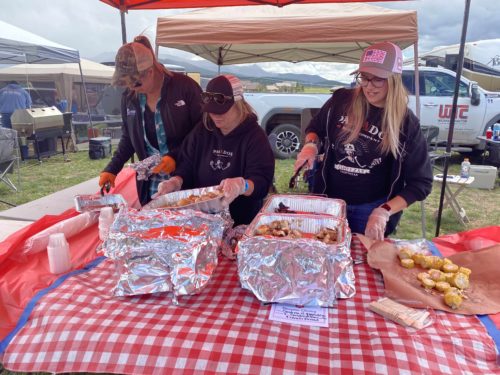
364 81
207 97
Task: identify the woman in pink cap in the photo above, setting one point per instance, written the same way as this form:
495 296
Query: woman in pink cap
229 149
375 156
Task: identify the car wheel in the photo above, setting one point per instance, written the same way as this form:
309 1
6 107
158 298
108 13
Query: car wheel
285 141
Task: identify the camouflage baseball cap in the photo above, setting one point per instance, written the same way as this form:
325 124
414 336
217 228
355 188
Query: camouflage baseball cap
131 60
381 60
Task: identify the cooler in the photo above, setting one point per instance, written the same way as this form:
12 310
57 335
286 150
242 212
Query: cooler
484 176
100 147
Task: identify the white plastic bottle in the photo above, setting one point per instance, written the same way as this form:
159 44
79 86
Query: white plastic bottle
58 253
106 218
465 168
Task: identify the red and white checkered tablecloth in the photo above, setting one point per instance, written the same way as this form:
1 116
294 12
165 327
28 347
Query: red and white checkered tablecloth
80 327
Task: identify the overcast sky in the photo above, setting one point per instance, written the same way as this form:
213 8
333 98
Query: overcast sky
94 28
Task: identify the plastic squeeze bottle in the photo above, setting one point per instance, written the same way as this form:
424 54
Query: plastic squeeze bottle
465 168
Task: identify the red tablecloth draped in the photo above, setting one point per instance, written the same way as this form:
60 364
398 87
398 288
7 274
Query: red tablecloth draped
22 277
80 327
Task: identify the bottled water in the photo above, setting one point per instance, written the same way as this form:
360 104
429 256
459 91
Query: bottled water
465 168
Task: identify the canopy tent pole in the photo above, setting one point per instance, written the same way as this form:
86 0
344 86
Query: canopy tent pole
447 154
86 96
123 9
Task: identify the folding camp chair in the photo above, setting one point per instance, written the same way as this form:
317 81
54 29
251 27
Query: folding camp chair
9 156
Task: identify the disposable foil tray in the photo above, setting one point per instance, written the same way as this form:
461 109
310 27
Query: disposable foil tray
171 200
306 204
308 224
84 203
298 271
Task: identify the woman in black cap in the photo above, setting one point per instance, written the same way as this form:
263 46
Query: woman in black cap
229 149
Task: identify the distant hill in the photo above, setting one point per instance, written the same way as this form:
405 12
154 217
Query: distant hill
252 72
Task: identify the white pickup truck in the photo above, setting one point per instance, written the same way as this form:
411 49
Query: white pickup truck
280 114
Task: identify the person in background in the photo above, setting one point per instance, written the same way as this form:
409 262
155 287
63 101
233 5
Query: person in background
375 156
228 149
12 97
159 109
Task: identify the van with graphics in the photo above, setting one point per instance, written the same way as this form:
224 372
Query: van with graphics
478 109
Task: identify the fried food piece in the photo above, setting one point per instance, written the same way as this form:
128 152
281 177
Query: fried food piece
405 253
418 258
443 286
428 261
437 262
436 275
465 270
407 263
422 275
449 267
428 283
460 280
448 277
327 235
453 299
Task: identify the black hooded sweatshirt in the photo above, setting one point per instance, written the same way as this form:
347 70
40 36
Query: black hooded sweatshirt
207 157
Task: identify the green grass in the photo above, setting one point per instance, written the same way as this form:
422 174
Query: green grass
54 174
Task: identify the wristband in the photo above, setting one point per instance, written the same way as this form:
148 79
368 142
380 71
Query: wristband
246 187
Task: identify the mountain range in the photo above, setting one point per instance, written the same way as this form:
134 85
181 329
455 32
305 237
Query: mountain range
251 72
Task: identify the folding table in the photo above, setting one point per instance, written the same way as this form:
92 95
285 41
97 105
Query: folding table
450 196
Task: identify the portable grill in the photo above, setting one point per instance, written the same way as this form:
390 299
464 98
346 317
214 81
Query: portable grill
37 120
42 126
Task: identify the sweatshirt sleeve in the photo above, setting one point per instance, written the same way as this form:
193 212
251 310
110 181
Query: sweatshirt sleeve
416 168
259 165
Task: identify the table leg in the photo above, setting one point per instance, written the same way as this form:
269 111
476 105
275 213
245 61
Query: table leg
453 202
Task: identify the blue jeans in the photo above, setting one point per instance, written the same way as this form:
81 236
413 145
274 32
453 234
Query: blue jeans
6 120
357 215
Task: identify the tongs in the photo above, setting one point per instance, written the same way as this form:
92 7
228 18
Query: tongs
293 180
105 188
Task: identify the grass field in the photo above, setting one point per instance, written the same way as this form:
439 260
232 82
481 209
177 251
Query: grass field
53 174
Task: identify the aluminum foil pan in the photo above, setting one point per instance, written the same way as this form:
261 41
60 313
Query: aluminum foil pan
164 250
84 203
299 271
305 204
171 200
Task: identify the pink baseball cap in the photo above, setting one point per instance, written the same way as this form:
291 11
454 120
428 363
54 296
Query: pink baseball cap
381 60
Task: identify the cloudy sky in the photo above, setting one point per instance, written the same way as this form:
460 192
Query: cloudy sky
94 28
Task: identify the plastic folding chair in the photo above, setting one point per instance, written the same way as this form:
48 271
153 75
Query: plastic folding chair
9 157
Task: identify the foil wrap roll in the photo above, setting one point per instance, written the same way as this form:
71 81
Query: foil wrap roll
164 251
301 271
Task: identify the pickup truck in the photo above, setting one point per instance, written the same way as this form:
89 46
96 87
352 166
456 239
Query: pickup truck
280 115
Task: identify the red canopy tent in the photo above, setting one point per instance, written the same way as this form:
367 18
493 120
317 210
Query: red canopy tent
125 5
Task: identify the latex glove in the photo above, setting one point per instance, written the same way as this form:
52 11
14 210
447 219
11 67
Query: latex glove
167 165
168 186
106 177
377 221
232 188
309 153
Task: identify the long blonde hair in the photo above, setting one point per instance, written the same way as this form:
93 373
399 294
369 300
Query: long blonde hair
243 107
395 109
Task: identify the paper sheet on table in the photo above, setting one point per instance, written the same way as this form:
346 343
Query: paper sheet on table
309 316
401 284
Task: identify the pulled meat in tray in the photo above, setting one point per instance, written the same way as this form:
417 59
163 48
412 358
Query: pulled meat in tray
281 228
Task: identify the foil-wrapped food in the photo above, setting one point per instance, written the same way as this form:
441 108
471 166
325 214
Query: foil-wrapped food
296 266
164 250
207 199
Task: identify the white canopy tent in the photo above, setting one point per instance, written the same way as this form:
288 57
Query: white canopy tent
20 46
63 75
302 32
295 33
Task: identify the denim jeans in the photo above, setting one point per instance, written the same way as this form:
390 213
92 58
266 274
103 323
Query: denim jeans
6 120
357 215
